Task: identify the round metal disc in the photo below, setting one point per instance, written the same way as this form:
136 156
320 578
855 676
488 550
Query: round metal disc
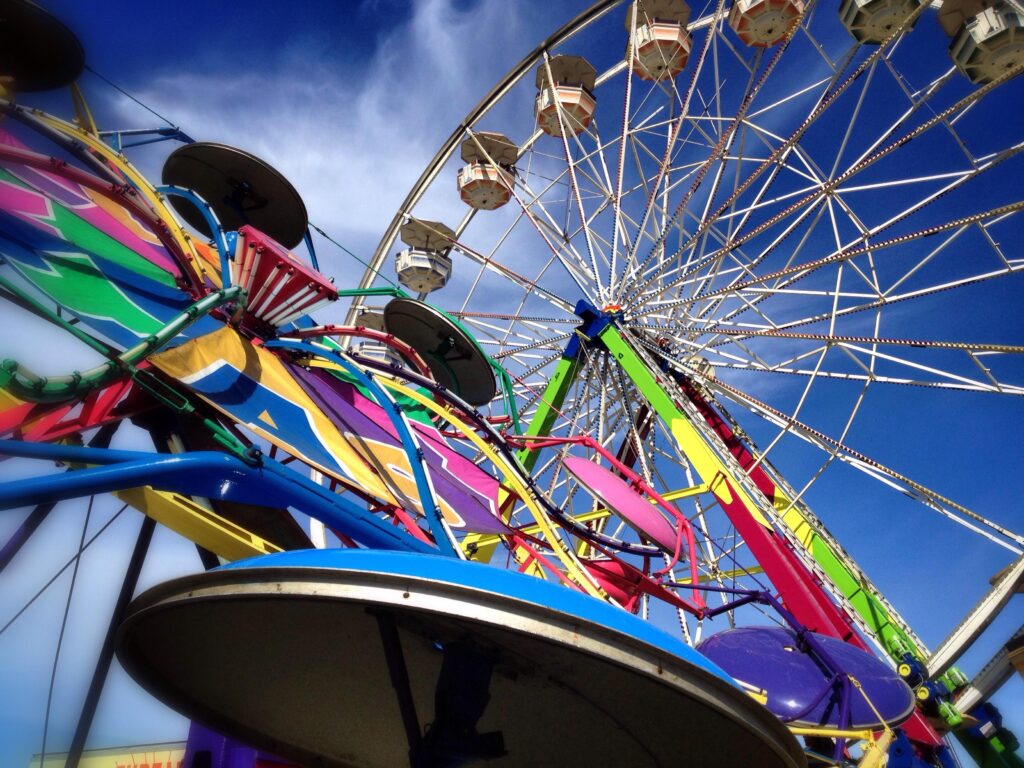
241 189
642 516
432 235
455 359
285 652
657 10
954 13
495 146
36 49
771 659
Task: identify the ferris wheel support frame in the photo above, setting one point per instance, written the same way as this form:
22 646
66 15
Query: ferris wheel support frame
781 550
830 562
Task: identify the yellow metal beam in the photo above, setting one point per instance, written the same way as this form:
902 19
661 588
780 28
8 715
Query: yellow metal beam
735 573
197 523
684 493
489 540
833 733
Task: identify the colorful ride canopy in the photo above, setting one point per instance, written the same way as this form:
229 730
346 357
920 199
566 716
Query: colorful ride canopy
89 256
100 264
331 426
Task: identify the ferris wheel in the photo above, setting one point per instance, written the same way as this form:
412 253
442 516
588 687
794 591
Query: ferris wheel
752 221
686 291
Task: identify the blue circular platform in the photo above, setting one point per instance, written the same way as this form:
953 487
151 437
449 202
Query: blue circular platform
290 653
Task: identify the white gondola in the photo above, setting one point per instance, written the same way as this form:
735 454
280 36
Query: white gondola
424 266
567 98
484 183
763 23
660 43
872 21
373 349
990 43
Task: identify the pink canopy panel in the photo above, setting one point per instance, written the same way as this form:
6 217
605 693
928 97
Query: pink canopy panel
641 515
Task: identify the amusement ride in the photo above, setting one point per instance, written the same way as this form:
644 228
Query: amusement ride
555 476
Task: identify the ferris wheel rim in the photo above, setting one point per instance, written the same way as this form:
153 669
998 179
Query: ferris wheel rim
568 30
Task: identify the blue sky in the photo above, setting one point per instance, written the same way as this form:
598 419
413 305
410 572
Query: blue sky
349 100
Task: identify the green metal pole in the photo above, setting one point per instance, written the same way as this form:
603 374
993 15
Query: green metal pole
548 408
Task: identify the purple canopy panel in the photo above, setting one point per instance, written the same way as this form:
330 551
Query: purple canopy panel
212 750
769 658
621 499
468 496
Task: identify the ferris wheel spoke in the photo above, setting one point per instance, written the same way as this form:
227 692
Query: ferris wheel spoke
657 274
827 100
873 304
482 270
706 278
812 374
889 298
847 255
555 237
581 417
977 357
960 178
549 83
720 148
738 218
511 337
729 133
787 276
713 267
531 392
702 301
530 286
675 129
553 343
917 102
667 277
618 230
953 381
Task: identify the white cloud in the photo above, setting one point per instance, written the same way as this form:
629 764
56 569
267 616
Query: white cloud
351 137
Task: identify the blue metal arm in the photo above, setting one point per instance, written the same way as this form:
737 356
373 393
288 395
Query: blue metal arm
211 222
308 239
203 473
